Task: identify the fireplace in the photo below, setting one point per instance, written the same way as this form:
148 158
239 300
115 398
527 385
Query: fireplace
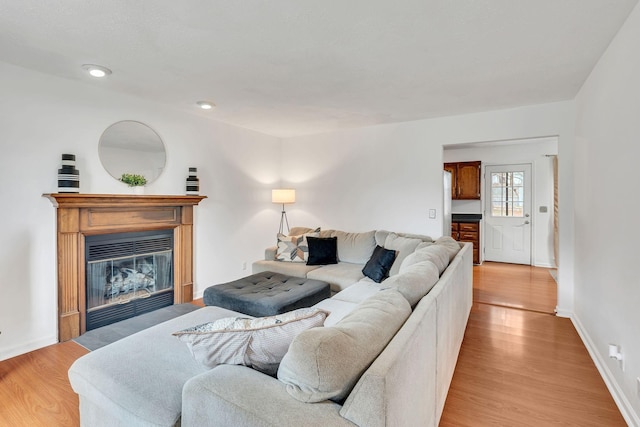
85 219
127 274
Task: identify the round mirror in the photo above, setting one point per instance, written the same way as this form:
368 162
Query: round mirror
134 148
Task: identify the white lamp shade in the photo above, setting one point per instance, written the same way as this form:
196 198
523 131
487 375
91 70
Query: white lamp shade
283 195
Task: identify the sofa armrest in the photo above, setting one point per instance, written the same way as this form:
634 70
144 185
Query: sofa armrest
240 396
270 253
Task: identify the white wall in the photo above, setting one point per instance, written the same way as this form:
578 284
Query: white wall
533 152
379 177
389 176
42 117
607 300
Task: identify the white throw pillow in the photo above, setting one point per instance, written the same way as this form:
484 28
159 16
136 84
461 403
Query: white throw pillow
294 248
260 343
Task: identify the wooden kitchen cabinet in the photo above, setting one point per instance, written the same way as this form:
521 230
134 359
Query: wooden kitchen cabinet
465 180
451 167
468 232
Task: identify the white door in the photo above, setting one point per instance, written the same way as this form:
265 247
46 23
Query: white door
508 214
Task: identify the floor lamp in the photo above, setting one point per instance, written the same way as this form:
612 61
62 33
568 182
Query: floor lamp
283 196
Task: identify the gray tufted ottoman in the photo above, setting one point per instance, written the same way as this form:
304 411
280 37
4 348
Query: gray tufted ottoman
267 294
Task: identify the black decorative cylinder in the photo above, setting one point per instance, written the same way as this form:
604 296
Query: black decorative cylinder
193 183
68 176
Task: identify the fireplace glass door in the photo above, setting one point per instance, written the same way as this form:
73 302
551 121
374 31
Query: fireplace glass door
119 280
127 274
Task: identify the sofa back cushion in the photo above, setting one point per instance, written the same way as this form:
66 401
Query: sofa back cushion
325 363
297 231
450 245
437 254
381 236
415 282
355 248
404 246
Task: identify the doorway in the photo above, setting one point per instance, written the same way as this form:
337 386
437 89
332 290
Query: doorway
508 221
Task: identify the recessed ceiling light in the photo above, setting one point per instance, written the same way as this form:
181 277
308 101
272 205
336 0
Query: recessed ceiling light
205 105
96 70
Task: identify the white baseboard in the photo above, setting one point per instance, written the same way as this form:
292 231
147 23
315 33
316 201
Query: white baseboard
544 265
23 348
630 416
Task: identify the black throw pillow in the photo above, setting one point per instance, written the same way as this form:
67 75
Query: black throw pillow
378 266
322 250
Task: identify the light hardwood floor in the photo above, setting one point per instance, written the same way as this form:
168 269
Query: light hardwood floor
523 366
517 366
35 391
513 285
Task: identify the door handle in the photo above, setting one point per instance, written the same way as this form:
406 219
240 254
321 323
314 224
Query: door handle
523 224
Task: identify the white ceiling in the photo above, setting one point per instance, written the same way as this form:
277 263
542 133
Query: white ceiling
294 67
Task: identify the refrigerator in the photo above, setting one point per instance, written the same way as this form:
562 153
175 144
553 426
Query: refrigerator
446 210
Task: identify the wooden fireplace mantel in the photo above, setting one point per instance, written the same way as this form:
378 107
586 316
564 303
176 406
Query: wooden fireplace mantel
80 215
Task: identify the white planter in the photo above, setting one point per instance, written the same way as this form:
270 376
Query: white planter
139 190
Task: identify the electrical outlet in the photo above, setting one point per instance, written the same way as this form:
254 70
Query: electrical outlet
244 265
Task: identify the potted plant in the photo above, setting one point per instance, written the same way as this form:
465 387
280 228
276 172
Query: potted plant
136 181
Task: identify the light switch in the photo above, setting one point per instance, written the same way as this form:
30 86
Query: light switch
432 214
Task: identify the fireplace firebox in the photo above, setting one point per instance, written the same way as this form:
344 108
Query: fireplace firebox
127 274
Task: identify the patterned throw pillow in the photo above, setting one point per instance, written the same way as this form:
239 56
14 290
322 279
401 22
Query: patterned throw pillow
260 343
294 248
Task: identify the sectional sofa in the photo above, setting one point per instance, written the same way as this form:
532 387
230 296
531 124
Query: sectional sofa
385 355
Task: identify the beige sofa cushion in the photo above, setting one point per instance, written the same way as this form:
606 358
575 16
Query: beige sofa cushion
337 309
339 276
297 231
360 291
437 254
325 363
355 248
404 246
381 236
415 282
450 245
295 269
